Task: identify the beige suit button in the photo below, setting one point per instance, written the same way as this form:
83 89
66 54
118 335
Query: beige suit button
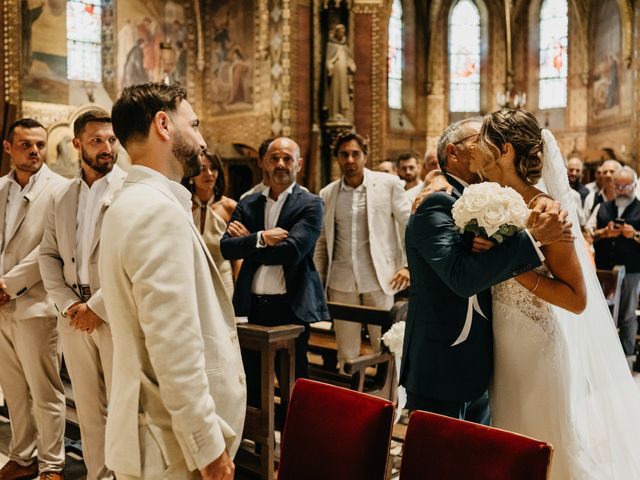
241 379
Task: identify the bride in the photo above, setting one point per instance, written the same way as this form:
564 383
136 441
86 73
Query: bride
560 373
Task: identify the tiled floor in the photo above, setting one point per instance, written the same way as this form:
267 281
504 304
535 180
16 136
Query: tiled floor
74 469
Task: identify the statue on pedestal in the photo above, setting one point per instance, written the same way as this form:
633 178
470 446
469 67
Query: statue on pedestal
340 68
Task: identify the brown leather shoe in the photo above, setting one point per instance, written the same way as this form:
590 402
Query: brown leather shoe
12 470
51 476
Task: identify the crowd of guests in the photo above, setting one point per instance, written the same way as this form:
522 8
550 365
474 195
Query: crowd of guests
139 278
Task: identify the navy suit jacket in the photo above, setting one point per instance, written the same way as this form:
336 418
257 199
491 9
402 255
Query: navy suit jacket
301 216
444 274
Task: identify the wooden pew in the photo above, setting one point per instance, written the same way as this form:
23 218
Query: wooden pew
260 422
611 283
383 382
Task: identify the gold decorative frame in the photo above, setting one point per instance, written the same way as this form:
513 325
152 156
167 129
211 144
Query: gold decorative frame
12 49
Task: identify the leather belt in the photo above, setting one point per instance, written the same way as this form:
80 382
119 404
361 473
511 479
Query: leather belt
269 299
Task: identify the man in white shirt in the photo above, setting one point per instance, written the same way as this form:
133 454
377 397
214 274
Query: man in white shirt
69 265
29 353
178 398
604 194
360 254
275 232
408 170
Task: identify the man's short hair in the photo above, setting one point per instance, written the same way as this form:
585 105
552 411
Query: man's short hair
346 138
407 156
134 111
23 123
451 134
93 115
264 146
627 171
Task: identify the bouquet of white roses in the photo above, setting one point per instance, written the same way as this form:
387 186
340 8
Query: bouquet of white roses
490 210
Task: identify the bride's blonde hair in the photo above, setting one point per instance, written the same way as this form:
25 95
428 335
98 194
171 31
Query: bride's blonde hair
519 128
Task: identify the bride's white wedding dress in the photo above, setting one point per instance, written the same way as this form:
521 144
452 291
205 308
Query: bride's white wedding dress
561 377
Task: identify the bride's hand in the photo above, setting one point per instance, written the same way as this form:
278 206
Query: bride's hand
481 244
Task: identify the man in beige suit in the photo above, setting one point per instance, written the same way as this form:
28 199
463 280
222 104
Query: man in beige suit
360 252
178 395
69 266
29 353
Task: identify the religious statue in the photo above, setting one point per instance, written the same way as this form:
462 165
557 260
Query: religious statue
340 69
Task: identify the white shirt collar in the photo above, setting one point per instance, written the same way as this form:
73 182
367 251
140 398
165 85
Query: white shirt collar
107 178
32 179
459 180
283 195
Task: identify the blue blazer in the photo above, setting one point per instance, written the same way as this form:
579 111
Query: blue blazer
301 216
444 274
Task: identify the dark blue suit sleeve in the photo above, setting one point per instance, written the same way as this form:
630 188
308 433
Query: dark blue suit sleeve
464 272
235 248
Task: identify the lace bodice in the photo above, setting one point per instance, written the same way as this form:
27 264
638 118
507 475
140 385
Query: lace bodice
513 296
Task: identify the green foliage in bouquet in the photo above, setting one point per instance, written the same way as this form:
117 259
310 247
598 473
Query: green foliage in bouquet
499 236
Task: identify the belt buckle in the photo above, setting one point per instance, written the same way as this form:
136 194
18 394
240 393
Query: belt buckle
85 291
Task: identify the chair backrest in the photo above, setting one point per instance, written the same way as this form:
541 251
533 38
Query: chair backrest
611 283
436 446
335 433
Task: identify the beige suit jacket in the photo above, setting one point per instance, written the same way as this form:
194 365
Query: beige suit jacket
177 359
21 246
57 259
388 211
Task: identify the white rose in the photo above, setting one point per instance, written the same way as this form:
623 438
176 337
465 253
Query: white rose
493 218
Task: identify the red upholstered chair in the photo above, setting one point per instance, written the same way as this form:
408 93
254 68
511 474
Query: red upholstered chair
333 433
438 447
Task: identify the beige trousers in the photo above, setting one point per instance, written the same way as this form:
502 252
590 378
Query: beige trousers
348 333
89 360
30 380
153 463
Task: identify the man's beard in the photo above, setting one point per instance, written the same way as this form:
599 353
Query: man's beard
187 155
102 168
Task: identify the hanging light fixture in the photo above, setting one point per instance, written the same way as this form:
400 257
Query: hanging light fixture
510 98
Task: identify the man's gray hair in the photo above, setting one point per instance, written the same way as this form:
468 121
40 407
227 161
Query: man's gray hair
452 135
627 171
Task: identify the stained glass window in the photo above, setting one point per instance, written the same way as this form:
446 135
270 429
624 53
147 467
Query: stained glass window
464 57
84 40
554 25
395 56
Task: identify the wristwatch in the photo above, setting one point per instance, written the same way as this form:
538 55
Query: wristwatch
636 236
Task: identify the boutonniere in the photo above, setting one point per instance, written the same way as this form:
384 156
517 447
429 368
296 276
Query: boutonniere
107 202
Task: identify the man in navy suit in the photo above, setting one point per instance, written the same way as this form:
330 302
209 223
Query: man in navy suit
446 368
275 233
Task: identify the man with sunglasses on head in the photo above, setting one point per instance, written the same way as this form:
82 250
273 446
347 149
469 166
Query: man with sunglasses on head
617 242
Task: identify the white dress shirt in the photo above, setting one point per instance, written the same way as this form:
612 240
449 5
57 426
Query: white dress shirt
413 192
90 202
353 269
14 200
269 279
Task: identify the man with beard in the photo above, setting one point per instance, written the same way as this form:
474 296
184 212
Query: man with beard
275 232
178 397
69 266
29 354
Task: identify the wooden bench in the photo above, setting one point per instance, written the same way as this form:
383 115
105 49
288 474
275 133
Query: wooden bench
611 283
259 425
372 372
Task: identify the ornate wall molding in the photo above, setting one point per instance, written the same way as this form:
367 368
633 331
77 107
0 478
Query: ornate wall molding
12 49
280 53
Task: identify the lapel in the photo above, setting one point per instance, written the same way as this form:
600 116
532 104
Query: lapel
117 179
27 200
330 224
370 187
70 221
288 208
256 210
4 194
458 188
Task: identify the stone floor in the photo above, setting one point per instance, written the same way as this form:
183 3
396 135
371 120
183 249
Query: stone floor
75 470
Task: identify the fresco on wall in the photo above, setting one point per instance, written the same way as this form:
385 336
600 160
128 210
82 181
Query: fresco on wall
151 41
232 52
608 74
44 51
